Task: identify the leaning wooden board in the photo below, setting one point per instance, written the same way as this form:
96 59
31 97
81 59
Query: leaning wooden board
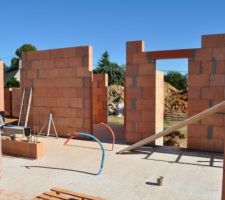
205 113
62 194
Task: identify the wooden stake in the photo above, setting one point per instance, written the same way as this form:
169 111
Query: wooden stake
21 106
28 108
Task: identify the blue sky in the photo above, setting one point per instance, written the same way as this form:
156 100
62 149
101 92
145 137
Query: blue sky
107 25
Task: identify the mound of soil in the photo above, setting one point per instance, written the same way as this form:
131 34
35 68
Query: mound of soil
175 101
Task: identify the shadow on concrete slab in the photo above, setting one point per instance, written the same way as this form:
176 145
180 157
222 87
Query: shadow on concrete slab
87 147
58 168
150 150
151 183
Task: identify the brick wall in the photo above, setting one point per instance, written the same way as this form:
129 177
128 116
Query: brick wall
206 88
100 84
1 87
16 101
7 108
140 93
62 84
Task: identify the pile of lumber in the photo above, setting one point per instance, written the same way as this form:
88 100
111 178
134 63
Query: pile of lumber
58 193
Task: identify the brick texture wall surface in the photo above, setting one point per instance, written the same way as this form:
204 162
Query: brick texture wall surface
16 101
207 88
7 108
1 87
62 84
140 93
100 85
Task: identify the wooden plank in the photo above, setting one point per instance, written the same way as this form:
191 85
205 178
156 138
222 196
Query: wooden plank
61 196
206 113
75 194
45 197
28 108
21 106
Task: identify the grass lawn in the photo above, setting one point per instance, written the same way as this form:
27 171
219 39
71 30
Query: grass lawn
112 119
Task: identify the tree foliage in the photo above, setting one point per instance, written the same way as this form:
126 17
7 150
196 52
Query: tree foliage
5 66
114 71
15 62
176 79
12 82
25 48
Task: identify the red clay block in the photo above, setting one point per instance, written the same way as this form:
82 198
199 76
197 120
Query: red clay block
48 73
203 54
198 105
219 53
194 67
217 80
197 131
147 69
141 58
132 70
133 92
214 120
194 92
215 93
148 92
146 81
215 40
206 67
135 46
198 80
218 132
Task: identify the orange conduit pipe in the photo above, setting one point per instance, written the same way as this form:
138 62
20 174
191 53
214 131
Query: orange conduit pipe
111 131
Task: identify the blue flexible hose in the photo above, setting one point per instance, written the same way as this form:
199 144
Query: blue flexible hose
101 145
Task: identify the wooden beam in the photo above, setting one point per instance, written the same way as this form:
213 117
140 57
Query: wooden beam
206 113
172 54
75 194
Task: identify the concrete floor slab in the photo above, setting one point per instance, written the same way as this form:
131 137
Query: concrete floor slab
129 176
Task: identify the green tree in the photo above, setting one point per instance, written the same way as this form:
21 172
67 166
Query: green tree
104 61
5 66
19 52
25 48
114 71
176 79
15 62
12 82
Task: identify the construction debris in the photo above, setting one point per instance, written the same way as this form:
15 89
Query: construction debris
175 101
115 96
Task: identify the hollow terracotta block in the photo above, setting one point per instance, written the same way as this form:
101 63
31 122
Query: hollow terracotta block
61 79
22 148
215 40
